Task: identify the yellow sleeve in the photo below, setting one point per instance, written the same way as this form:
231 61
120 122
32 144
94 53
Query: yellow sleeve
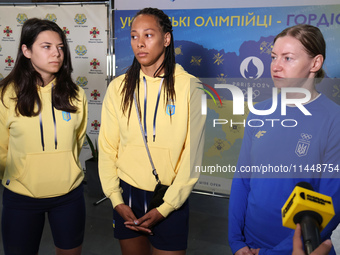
83 126
4 130
191 155
108 141
4 138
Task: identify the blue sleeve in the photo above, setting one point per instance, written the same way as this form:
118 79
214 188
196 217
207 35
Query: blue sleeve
331 187
239 198
330 184
237 213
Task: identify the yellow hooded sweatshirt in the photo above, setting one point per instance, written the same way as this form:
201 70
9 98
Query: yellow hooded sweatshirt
176 143
39 155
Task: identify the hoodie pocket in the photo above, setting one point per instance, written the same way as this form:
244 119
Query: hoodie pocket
50 174
134 161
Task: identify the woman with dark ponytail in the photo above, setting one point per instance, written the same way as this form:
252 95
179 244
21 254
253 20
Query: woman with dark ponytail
43 119
153 106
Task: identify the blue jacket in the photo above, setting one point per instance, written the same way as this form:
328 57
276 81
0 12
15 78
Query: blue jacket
291 153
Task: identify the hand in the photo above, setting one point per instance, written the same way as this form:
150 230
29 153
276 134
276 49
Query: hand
323 248
146 222
126 213
255 251
244 251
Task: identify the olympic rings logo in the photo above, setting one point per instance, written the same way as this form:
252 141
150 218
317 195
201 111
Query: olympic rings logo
306 136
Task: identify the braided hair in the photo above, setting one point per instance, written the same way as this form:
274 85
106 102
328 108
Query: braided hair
131 80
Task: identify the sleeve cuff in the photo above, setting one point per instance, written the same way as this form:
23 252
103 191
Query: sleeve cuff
165 209
235 246
262 251
116 199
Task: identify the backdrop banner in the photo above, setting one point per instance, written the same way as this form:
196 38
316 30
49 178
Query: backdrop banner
233 46
86 33
203 4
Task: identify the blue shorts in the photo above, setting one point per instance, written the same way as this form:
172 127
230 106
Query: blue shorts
23 221
171 234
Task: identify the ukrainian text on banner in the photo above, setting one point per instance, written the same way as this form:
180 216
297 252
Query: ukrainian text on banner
233 46
86 33
203 4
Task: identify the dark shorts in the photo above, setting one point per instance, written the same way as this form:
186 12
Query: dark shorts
23 220
171 234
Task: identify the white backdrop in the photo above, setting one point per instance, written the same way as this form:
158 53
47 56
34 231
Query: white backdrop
86 32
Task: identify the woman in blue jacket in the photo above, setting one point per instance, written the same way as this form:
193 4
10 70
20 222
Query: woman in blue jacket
255 225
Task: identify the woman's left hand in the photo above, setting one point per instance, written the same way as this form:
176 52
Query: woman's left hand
146 222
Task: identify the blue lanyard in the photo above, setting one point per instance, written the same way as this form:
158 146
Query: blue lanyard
156 108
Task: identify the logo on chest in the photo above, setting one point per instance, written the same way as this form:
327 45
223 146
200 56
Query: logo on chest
170 108
303 145
66 116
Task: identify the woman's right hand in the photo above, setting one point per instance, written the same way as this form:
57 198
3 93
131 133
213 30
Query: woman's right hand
126 213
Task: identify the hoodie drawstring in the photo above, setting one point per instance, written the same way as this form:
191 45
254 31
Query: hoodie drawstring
54 123
156 108
41 133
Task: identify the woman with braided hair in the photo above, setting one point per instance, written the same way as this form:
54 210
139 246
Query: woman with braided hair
152 106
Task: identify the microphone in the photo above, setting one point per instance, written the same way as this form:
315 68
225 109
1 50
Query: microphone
311 210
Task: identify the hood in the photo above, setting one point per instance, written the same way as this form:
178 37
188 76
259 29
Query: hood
179 70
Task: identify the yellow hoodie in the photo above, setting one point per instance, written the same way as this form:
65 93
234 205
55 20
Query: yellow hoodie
177 148
40 158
